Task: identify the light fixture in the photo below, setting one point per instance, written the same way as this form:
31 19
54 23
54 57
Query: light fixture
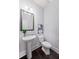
26 8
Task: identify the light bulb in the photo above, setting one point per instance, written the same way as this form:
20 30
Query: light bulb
26 7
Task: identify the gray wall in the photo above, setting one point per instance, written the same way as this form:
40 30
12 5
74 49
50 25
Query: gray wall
51 24
38 19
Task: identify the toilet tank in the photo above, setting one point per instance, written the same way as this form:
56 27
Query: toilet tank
41 37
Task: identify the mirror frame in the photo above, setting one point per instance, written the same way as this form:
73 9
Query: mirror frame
21 10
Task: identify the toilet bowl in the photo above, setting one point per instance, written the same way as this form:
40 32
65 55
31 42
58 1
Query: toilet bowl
45 45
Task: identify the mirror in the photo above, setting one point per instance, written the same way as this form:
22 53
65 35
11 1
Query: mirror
26 21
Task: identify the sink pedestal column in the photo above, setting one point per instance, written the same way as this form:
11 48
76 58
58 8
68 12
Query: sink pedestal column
29 52
28 40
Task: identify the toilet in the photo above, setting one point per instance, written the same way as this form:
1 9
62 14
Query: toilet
45 45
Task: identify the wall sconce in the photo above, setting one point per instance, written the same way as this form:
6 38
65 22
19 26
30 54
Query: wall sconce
29 9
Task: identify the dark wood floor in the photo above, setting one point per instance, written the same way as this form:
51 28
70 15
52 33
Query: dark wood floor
39 54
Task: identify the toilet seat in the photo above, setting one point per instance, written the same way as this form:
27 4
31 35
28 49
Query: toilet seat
46 44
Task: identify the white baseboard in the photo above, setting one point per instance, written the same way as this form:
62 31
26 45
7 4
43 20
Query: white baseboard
21 54
55 49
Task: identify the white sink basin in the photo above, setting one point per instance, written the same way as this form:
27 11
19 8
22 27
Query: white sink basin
29 37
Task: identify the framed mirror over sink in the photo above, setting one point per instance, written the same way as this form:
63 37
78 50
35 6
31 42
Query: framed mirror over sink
26 21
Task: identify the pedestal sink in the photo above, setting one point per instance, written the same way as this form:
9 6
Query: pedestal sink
28 40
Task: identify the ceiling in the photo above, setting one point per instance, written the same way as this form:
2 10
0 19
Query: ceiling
42 3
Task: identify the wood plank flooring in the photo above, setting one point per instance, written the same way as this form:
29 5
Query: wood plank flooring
39 54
